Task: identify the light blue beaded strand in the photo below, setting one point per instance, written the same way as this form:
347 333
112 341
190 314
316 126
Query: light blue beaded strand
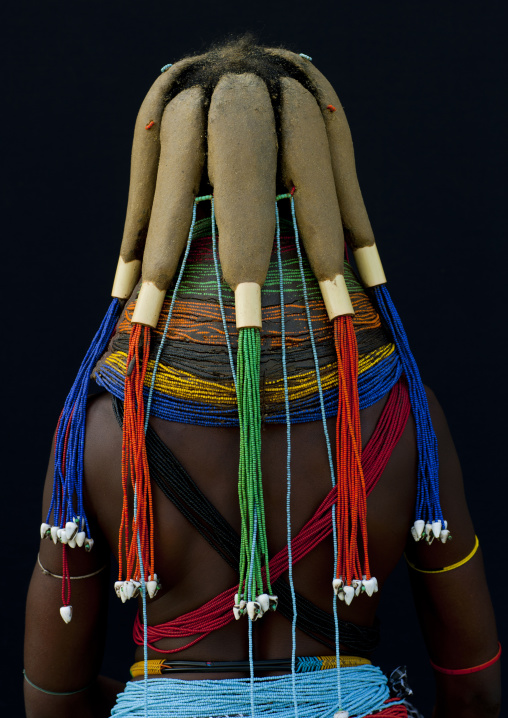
219 292
288 462
365 691
327 439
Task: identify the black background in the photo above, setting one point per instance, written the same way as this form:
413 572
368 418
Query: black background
423 85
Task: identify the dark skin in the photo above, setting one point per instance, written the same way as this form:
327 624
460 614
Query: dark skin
454 608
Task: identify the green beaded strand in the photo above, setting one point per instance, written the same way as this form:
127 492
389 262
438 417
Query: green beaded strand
250 484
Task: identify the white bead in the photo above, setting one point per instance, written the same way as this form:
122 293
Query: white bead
44 530
349 594
80 538
54 534
66 613
436 528
71 529
419 526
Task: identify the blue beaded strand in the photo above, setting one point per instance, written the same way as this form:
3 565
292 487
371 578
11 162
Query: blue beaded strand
428 506
365 692
70 437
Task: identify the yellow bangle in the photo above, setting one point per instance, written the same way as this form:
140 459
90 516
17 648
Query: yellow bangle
446 568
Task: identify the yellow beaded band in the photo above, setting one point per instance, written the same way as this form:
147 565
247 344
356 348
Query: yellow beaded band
446 568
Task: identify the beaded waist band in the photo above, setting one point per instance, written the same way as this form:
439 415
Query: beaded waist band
304 664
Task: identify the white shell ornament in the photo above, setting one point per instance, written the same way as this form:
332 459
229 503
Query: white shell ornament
264 601
341 714
45 530
253 610
54 534
71 529
436 528
357 585
370 585
80 538
152 587
89 544
349 594
62 536
337 584
118 588
66 613
419 527
444 536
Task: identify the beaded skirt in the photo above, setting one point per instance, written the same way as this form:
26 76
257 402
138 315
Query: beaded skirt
194 381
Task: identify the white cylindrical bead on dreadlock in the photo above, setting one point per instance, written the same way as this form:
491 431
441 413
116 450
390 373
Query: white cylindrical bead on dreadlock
248 305
369 266
126 277
336 297
148 305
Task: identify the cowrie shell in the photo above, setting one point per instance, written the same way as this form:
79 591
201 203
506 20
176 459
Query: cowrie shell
45 528
349 594
80 538
66 613
236 612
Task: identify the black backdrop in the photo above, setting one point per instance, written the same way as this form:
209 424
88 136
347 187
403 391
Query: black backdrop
423 86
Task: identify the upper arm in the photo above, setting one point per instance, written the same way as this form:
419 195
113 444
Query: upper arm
454 607
59 656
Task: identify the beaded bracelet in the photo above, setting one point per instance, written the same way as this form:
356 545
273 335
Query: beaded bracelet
446 568
465 671
55 693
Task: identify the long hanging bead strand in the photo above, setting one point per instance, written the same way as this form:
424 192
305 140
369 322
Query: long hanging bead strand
288 463
429 523
326 436
69 524
352 577
254 588
139 548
